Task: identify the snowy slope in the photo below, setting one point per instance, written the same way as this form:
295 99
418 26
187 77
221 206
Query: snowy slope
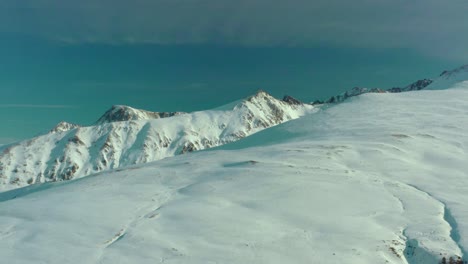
449 79
69 151
380 178
356 91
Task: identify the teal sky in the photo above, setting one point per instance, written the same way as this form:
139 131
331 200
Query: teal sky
72 60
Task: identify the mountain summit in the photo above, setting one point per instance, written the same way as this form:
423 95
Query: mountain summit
118 113
125 136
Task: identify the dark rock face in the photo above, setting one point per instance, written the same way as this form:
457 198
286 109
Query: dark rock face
291 100
443 73
418 85
76 140
395 90
448 74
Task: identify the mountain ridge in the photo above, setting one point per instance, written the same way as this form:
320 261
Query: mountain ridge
118 113
126 136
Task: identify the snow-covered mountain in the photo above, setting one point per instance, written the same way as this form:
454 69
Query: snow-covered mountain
416 86
451 78
126 136
444 80
382 178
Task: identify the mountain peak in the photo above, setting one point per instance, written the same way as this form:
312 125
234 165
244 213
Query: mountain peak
81 152
118 113
261 93
63 126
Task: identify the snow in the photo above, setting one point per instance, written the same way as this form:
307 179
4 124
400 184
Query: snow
126 113
380 178
70 151
449 79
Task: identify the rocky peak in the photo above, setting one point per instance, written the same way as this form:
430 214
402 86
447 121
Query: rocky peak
260 94
291 100
119 113
63 126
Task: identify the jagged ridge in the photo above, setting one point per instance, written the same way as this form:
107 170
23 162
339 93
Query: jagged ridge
416 86
70 151
118 113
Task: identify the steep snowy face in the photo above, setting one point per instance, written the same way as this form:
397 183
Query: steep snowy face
71 151
449 79
119 113
261 111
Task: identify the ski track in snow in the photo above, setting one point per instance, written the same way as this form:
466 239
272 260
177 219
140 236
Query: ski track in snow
148 212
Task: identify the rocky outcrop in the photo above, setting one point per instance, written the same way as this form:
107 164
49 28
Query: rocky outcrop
119 113
418 85
63 127
291 100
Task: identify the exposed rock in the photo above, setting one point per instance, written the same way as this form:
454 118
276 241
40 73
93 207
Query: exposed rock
448 74
416 86
63 126
291 100
109 145
119 113
76 140
318 102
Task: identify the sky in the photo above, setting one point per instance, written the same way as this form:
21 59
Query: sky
72 60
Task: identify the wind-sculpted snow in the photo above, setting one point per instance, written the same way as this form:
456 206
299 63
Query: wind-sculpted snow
380 178
70 151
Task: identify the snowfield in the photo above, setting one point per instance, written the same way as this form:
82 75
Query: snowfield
380 178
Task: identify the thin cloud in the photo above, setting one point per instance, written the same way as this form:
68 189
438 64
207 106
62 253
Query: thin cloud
35 106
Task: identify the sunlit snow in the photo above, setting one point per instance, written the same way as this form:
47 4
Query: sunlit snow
380 178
